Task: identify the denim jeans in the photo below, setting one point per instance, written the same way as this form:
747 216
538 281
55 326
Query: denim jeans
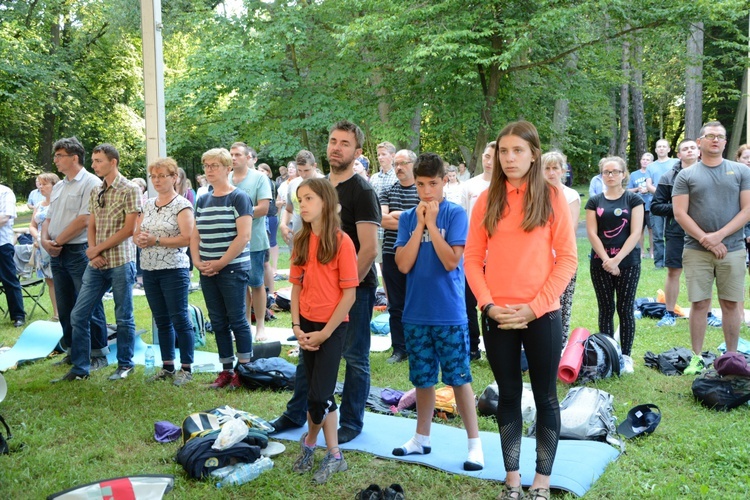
167 295
225 301
657 226
395 283
357 377
68 269
95 283
11 284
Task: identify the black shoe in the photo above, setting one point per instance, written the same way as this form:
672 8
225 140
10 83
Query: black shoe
70 377
65 361
283 423
372 492
393 492
475 355
346 434
19 322
397 357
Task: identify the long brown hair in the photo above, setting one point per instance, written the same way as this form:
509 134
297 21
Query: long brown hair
329 235
537 207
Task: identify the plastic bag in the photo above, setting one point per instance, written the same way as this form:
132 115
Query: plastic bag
231 433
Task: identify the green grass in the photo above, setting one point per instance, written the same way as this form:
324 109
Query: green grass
82 432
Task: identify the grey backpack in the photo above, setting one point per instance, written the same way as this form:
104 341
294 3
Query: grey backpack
588 413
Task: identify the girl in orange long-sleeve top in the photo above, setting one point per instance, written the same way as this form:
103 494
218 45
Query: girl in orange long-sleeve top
520 255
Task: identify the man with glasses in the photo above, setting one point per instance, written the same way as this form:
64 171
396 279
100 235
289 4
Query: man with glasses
65 238
115 207
655 170
711 201
393 202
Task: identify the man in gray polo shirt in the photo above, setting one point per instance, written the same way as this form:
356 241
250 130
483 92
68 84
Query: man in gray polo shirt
65 238
711 202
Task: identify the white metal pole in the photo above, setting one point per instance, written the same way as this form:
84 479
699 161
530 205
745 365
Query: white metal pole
153 82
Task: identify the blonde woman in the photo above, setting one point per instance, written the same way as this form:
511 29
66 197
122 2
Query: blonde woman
44 269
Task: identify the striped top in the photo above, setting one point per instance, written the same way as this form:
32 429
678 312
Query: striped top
216 221
398 199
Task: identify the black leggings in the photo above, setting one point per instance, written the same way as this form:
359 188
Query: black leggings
624 286
322 369
542 341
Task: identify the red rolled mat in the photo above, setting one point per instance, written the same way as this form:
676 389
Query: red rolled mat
570 362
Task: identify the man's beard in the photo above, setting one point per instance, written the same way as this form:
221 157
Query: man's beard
343 167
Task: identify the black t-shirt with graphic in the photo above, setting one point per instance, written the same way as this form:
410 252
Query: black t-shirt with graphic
613 225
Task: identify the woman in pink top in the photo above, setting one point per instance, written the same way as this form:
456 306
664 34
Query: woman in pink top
520 256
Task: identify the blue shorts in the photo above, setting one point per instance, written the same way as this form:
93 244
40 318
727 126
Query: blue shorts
273 227
256 268
438 347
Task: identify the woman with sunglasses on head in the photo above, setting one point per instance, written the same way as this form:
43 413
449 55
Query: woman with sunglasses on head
223 220
163 233
520 256
614 221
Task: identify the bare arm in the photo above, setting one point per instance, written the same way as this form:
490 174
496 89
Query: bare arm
261 208
73 229
367 233
33 226
575 210
406 255
389 219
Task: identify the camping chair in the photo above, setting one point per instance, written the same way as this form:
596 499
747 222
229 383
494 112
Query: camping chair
28 290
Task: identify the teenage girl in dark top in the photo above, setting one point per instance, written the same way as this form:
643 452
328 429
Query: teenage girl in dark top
614 221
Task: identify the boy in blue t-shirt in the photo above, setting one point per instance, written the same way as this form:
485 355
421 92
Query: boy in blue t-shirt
429 250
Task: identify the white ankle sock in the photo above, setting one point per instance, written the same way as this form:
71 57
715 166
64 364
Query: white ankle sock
475 451
418 444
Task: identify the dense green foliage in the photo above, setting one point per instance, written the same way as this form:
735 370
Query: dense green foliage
442 76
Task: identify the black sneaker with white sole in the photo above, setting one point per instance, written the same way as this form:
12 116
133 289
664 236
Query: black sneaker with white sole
121 373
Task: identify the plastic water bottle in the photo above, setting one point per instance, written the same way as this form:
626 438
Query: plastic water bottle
638 314
224 471
150 360
244 473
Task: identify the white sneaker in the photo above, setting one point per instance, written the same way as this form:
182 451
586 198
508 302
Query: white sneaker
628 364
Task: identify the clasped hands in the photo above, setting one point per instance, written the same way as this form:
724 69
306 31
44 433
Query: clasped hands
512 317
713 243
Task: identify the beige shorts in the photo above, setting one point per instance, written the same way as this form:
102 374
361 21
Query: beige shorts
701 267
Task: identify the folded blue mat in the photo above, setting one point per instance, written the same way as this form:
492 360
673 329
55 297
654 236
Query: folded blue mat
578 464
36 341
203 361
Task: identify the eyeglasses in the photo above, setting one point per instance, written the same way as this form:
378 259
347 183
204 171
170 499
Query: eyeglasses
403 163
611 173
153 177
714 137
211 166
100 197
57 156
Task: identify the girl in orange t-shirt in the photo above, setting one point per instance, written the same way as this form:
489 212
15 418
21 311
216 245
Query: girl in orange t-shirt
520 255
324 281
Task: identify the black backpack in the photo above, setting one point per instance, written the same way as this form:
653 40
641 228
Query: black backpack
721 393
602 358
199 459
274 373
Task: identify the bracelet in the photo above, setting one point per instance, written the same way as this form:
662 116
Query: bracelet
296 324
156 243
486 308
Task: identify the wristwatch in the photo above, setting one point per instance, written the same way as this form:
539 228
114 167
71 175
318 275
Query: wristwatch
157 241
486 308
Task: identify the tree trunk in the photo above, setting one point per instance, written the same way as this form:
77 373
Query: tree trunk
636 92
489 76
416 126
694 82
622 145
739 119
561 117
48 128
613 133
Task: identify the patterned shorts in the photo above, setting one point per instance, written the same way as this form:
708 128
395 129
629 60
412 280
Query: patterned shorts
433 348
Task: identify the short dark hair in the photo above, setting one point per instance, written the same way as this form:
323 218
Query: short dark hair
714 123
348 126
683 142
71 146
429 165
109 151
248 150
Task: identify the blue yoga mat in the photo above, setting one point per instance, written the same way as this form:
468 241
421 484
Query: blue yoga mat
203 361
36 341
578 464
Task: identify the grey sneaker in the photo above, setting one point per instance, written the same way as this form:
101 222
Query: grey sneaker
328 466
182 377
306 458
121 373
162 375
98 362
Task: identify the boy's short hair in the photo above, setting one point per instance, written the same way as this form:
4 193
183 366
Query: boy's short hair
429 165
